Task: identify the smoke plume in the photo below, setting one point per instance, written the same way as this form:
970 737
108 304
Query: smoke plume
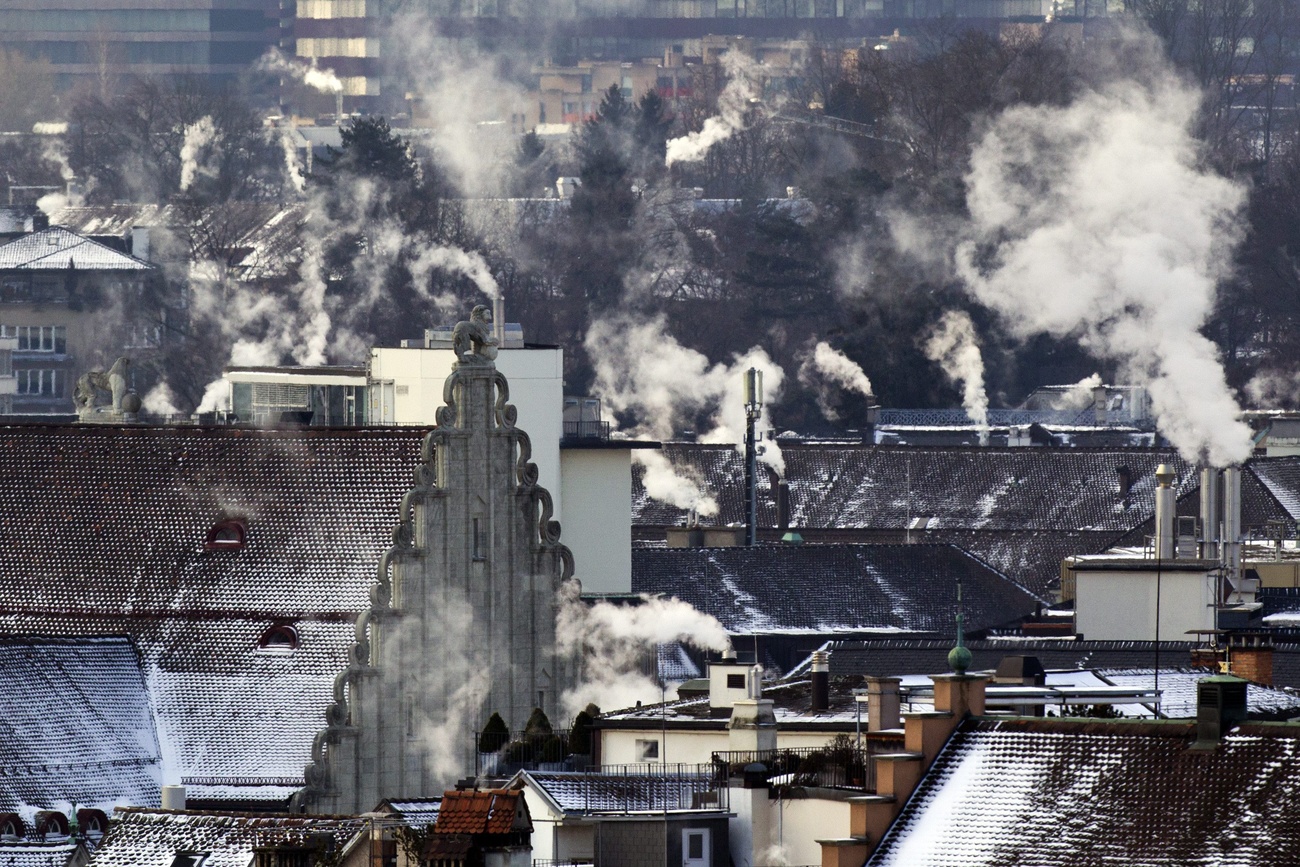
735 101
199 136
323 80
615 640
468 263
1079 395
641 369
159 400
666 484
953 345
1096 221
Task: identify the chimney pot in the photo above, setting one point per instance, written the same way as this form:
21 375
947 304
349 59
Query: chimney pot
173 797
821 681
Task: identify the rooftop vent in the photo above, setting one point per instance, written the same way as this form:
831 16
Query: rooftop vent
1220 707
280 637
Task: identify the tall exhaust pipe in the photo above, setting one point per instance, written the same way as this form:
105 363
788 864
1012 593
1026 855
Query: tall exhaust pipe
1165 509
1231 541
753 409
499 320
1210 498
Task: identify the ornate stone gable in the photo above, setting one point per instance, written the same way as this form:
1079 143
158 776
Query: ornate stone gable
462 616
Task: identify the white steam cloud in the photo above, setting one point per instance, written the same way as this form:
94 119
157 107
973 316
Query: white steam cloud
199 136
641 368
1273 389
1095 220
309 74
468 263
666 484
953 345
827 364
159 400
735 101
1079 395
615 640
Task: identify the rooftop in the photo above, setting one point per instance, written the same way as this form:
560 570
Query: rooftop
58 249
832 589
494 811
1045 792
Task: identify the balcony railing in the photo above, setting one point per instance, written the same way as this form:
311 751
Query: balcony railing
586 430
831 767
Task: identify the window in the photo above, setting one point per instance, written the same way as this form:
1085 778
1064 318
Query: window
280 638
38 338
226 536
190 859
16 287
480 540
647 751
11 825
735 681
40 382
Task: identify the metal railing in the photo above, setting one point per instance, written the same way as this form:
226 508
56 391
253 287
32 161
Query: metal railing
586 430
831 767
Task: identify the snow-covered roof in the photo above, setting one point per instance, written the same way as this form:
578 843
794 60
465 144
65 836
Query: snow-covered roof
1281 476
35 853
1178 692
580 792
106 530
154 838
77 727
829 589
1052 793
57 249
417 813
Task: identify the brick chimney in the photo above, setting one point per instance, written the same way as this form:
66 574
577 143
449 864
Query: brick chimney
1251 657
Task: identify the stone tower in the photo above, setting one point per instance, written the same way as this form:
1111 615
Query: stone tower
463 611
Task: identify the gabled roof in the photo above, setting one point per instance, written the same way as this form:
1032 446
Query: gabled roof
75 726
495 811
829 589
105 531
1281 476
57 249
1063 793
153 838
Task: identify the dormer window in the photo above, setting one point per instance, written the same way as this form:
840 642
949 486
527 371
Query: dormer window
12 826
280 638
51 823
228 535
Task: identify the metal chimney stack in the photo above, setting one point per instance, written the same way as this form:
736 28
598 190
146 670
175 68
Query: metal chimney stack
499 320
753 410
821 681
1165 509
1231 541
1210 498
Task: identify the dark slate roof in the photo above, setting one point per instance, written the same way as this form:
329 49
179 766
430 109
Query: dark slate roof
1063 793
104 533
577 792
418 813
153 838
886 487
56 248
829 589
896 656
75 726
1281 476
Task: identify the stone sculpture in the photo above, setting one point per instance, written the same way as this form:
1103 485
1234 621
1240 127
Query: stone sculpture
472 339
96 382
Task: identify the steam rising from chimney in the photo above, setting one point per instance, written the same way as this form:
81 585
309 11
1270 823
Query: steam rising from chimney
1095 221
614 641
469 263
665 484
1079 395
828 363
953 345
736 99
641 368
199 135
309 74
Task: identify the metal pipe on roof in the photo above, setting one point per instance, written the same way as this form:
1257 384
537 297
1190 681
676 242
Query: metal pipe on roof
1211 480
1165 510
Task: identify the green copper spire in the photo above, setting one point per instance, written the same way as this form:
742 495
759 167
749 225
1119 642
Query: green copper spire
959 657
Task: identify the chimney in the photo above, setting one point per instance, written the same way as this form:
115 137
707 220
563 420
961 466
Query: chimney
821 681
1165 509
1250 657
173 797
1230 541
1210 498
140 242
499 320
753 726
883 704
1125 478
1220 707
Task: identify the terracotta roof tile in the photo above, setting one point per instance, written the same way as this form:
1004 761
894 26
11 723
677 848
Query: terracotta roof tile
487 812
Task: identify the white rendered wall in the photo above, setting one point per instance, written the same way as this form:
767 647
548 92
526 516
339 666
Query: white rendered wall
536 378
596 487
618 746
1121 605
797 824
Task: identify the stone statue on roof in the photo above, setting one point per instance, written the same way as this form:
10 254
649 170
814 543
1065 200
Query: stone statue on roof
472 340
94 386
